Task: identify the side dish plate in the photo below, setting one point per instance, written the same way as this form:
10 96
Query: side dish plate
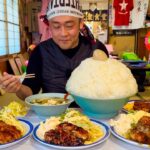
127 140
29 128
104 127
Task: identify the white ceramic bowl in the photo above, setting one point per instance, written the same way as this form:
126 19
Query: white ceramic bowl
48 110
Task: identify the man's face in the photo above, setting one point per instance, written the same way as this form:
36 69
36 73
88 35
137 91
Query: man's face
65 31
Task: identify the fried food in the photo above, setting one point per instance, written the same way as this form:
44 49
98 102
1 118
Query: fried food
141 132
8 133
144 125
66 134
145 106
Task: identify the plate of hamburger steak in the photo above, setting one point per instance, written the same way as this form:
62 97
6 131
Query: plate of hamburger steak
71 130
132 128
11 135
13 130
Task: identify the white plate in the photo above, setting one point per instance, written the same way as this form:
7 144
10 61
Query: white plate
127 140
104 127
29 129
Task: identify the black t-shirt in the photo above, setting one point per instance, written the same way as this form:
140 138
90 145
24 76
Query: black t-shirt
53 66
71 52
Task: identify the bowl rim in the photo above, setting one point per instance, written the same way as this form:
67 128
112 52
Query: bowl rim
73 94
27 101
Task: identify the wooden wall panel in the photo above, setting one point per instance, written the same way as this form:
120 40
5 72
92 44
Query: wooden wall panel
3 66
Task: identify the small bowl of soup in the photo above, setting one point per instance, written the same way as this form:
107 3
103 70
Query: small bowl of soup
49 104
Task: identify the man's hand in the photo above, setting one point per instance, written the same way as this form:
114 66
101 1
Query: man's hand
10 83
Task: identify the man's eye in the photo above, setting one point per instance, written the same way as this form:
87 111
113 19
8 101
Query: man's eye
69 26
56 26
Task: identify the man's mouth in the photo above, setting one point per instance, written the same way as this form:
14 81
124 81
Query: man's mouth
64 41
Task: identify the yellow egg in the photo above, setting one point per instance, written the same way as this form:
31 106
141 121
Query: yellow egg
129 106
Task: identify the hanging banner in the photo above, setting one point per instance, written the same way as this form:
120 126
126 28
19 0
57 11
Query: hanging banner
96 15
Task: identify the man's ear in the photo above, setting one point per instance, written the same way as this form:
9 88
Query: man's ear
81 23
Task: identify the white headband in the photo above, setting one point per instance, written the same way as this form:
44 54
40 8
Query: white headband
64 8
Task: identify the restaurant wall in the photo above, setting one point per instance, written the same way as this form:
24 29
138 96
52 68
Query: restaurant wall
141 49
134 43
122 44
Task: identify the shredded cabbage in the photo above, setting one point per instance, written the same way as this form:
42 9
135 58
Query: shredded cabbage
16 109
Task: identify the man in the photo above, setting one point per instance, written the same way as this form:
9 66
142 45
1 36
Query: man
53 60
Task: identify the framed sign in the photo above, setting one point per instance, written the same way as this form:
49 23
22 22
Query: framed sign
124 32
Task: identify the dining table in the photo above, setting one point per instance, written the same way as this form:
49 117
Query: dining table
112 143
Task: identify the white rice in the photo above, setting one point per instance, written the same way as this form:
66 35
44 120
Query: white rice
108 79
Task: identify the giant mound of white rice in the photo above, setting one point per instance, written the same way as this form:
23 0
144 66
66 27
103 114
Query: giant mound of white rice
96 79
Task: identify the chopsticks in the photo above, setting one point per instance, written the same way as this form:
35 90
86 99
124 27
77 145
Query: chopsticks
32 75
26 76
21 78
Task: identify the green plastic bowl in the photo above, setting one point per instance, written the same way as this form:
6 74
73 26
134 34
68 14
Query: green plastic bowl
48 110
100 108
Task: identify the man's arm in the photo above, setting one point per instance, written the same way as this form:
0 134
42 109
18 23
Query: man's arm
24 92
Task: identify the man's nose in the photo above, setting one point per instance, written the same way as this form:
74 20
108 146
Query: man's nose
64 31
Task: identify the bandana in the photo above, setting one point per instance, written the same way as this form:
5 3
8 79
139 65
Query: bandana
64 8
